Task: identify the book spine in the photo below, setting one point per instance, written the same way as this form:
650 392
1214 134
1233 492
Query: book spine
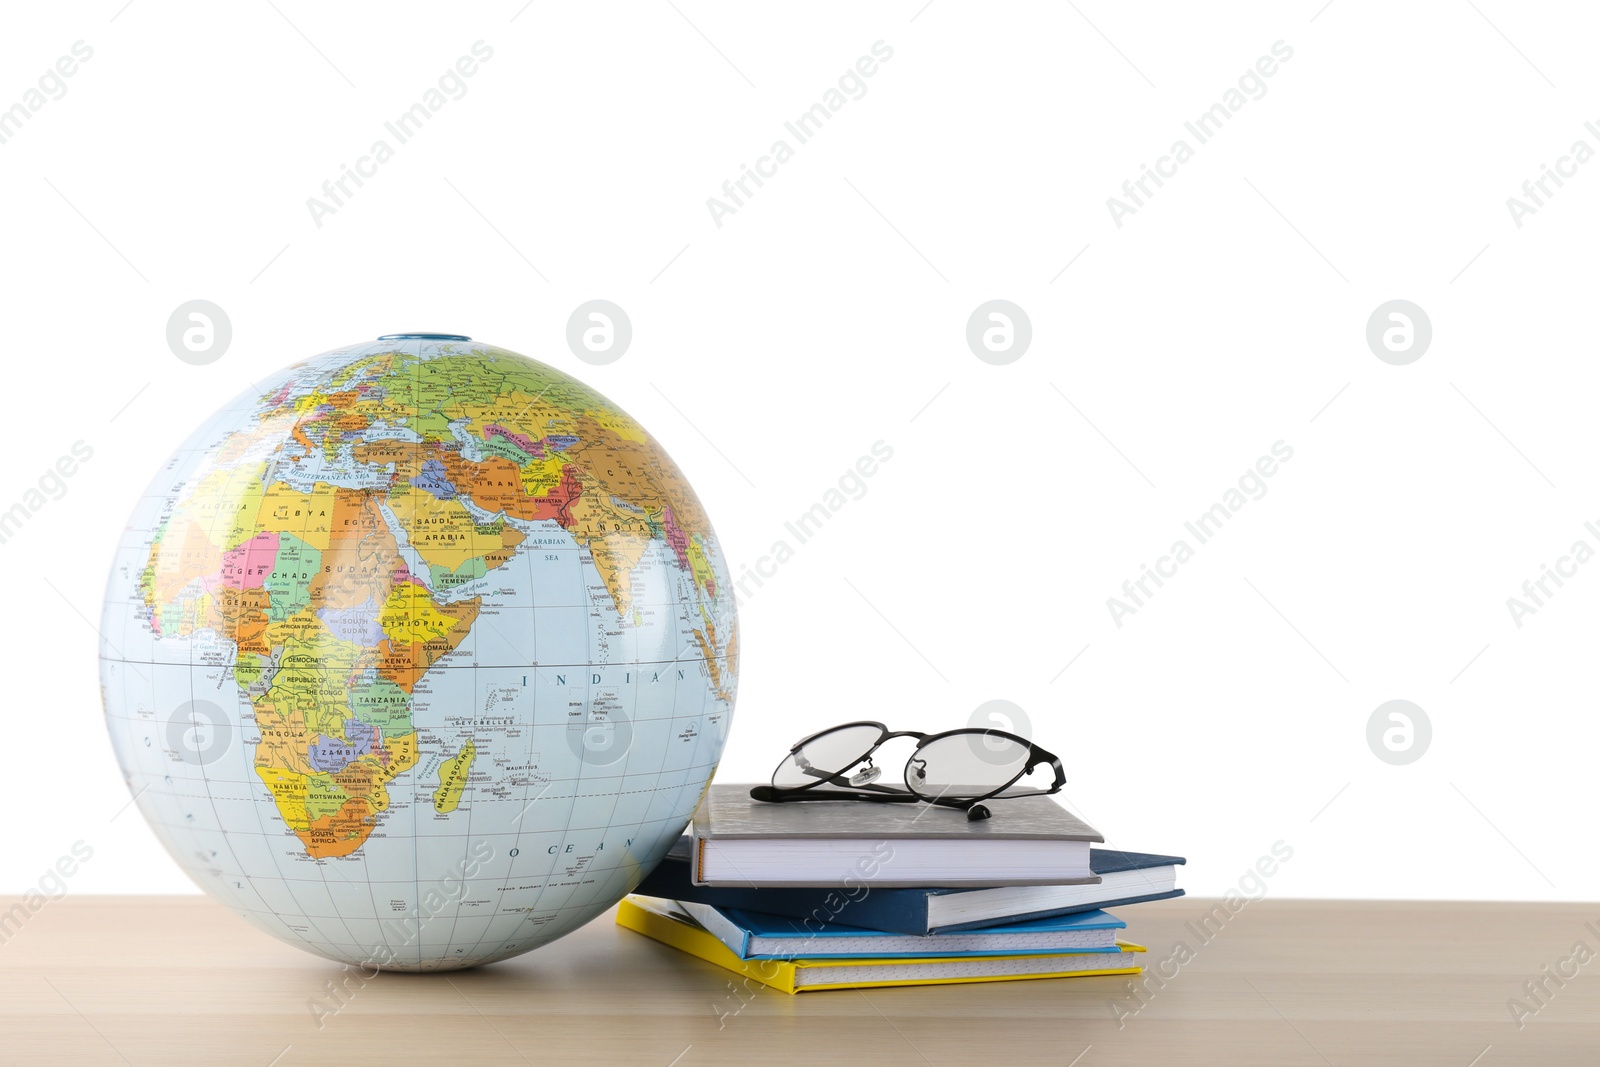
698 860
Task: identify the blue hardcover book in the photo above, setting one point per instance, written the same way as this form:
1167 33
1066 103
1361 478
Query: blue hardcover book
1125 878
753 935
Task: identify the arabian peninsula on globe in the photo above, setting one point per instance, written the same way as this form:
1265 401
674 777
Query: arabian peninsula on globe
419 655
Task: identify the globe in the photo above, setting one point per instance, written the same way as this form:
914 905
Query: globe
419 654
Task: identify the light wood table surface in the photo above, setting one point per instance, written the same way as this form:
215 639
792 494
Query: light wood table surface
165 981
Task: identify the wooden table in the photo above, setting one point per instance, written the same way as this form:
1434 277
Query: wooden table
179 980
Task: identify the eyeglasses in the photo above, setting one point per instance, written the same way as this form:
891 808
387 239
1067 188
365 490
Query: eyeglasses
956 768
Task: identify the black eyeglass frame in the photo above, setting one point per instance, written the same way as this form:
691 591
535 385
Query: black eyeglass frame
885 795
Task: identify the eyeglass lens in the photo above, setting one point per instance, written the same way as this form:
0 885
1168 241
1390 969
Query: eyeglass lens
826 755
964 765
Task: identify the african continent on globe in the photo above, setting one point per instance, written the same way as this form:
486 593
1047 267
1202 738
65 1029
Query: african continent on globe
420 655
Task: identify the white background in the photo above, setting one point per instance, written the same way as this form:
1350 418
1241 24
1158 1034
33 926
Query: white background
829 312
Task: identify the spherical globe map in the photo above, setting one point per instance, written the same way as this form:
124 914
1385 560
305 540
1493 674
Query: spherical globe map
419 655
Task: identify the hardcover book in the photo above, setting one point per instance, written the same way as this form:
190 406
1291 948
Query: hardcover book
659 920
753 935
1125 878
740 841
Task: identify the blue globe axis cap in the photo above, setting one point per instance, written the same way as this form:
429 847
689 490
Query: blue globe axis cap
424 337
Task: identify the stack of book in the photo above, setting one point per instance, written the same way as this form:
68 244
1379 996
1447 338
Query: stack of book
846 895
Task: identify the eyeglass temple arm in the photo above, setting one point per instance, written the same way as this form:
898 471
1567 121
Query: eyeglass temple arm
1041 756
773 794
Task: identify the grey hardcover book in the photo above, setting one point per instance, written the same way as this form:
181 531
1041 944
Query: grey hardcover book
740 841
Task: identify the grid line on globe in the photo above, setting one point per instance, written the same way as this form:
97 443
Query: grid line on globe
426 575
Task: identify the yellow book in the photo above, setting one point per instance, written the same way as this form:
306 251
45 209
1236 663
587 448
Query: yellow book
662 921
